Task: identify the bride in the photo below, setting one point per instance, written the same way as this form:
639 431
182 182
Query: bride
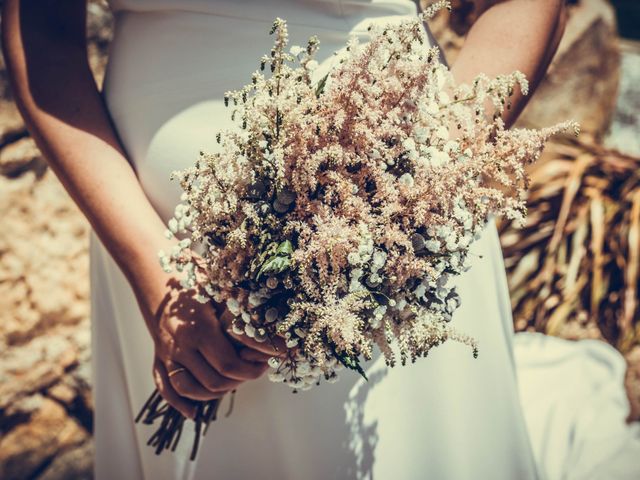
445 417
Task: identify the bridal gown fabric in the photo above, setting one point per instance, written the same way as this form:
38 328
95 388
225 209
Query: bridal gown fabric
448 416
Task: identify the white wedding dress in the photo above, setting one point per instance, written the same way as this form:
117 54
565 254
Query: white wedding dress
447 417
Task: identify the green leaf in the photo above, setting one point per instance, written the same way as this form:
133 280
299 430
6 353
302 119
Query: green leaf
321 85
276 264
348 361
258 261
353 364
285 248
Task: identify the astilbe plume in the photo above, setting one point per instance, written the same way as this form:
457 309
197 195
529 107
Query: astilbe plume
336 211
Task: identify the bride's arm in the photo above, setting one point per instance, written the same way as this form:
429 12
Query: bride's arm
512 35
45 50
44 45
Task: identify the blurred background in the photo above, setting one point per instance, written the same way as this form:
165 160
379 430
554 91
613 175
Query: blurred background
574 270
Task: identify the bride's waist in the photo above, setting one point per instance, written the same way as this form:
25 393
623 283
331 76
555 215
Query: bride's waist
338 15
185 55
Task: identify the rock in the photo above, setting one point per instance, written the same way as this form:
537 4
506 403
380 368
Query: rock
29 446
43 257
34 366
624 134
62 393
632 382
20 156
582 80
11 124
76 464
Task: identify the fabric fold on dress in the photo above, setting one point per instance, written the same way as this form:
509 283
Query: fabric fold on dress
575 405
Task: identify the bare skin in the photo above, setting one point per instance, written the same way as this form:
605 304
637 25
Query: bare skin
512 35
44 46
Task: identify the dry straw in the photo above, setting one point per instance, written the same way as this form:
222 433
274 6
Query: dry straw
576 263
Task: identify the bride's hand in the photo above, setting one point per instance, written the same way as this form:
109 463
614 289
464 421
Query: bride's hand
195 358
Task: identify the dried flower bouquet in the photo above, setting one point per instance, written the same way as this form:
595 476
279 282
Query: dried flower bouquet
337 212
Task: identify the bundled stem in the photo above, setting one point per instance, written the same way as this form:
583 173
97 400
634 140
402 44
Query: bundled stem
168 433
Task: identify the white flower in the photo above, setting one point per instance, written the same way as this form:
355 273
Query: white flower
432 245
464 241
271 315
432 108
451 146
374 279
233 306
353 258
421 134
442 132
274 362
379 311
312 65
276 377
250 330
303 368
379 259
201 298
255 300
355 286
420 290
237 327
452 243
296 50
409 144
406 179
442 280
441 158
364 251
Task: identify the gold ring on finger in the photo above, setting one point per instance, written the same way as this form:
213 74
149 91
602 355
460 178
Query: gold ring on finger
176 371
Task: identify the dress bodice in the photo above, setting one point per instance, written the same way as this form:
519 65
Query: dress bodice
319 13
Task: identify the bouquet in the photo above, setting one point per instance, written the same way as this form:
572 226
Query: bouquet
337 212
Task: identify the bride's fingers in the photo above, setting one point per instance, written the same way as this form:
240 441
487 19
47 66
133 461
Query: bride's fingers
161 379
223 357
273 348
253 355
185 384
221 354
206 375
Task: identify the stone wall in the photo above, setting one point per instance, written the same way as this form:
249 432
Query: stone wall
45 394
